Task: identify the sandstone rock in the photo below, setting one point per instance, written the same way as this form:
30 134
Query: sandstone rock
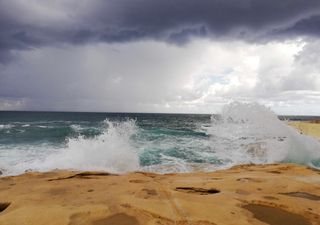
247 194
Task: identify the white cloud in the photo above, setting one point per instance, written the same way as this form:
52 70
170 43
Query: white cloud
12 104
153 76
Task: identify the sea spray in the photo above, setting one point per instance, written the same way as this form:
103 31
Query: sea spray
111 151
162 143
252 133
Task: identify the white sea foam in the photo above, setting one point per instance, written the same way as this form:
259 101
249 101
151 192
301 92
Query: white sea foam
110 151
6 126
243 133
251 133
76 127
42 126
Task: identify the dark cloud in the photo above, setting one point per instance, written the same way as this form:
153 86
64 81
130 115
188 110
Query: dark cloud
306 27
177 21
30 24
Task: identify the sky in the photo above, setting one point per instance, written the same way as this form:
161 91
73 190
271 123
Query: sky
168 56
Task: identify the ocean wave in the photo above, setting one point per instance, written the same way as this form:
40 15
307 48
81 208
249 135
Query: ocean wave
243 133
252 133
43 126
109 151
76 127
6 126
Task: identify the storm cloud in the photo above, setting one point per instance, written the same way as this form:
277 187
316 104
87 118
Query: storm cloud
159 55
37 23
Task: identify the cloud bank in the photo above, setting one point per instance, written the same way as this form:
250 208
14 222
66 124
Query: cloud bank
159 56
35 23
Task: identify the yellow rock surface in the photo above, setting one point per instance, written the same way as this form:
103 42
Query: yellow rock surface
249 194
307 127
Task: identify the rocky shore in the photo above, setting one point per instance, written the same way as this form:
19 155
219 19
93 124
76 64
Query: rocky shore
311 128
279 194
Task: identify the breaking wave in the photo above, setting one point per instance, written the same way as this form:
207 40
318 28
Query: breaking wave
111 151
252 133
6 126
242 133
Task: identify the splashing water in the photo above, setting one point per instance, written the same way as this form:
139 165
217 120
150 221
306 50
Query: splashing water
243 133
251 133
111 151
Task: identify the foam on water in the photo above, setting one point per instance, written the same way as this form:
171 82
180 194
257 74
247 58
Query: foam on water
111 151
6 126
243 133
76 127
251 133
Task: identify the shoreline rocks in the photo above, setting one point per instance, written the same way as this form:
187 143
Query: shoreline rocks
240 195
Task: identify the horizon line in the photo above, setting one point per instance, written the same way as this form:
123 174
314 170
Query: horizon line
168 113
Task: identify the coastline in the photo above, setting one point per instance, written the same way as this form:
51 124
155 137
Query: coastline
243 194
246 194
310 128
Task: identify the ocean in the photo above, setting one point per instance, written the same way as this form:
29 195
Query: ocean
162 143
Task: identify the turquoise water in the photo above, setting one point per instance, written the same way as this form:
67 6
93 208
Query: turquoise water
122 142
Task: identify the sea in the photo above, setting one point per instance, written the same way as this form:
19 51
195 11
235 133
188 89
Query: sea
163 143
